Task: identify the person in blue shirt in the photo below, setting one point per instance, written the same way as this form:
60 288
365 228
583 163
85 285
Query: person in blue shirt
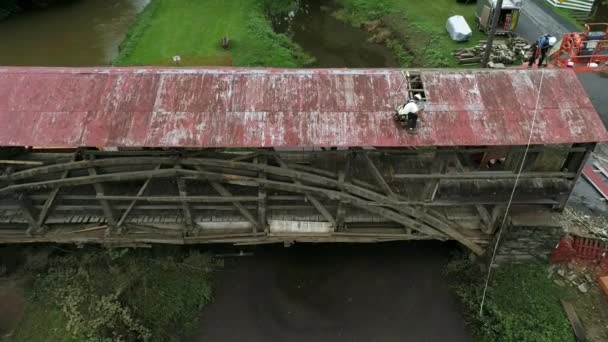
542 44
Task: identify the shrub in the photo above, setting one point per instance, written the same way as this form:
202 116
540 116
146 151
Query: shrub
124 295
521 304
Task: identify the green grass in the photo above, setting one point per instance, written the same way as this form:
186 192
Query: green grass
566 14
522 304
193 30
420 25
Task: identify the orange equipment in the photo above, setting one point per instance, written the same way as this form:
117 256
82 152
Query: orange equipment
585 51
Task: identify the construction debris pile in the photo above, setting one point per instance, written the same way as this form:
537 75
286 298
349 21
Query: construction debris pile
574 275
513 50
580 224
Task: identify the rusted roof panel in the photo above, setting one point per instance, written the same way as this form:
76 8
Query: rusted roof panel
236 107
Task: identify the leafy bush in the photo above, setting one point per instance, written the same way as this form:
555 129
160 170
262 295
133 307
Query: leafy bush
521 304
124 295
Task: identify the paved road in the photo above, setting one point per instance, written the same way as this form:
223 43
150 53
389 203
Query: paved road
381 292
537 20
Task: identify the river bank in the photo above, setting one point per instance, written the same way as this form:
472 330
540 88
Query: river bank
413 29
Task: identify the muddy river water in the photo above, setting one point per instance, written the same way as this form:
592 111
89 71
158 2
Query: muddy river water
84 33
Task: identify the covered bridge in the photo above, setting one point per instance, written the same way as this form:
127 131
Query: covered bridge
144 155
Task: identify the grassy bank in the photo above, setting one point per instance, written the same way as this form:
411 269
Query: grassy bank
421 39
522 303
116 295
566 14
193 30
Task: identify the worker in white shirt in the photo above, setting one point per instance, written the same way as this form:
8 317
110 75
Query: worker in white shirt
407 114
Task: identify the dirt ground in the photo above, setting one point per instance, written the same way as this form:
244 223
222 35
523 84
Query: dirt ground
12 301
592 309
382 292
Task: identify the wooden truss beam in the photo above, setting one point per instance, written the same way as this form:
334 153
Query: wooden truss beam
370 195
140 193
28 213
48 204
171 158
241 209
245 157
486 175
438 166
25 207
335 195
248 181
183 193
378 177
262 194
188 199
484 214
105 205
312 199
84 180
343 177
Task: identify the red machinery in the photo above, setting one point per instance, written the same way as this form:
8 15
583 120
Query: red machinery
585 51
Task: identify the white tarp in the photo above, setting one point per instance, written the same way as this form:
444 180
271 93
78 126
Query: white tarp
458 28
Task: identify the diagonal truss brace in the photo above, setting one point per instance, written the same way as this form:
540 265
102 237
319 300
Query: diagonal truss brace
312 199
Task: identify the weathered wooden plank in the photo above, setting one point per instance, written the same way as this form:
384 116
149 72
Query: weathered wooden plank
189 199
487 175
21 162
575 322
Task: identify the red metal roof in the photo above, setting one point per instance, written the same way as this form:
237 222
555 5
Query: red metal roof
236 107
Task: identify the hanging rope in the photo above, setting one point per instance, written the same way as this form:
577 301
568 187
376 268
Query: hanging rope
504 219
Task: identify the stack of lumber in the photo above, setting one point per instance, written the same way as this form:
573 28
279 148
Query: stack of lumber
504 52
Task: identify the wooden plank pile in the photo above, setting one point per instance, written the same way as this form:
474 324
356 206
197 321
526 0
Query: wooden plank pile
504 52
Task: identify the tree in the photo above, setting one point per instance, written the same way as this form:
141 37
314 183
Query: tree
11 7
599 12
7 8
